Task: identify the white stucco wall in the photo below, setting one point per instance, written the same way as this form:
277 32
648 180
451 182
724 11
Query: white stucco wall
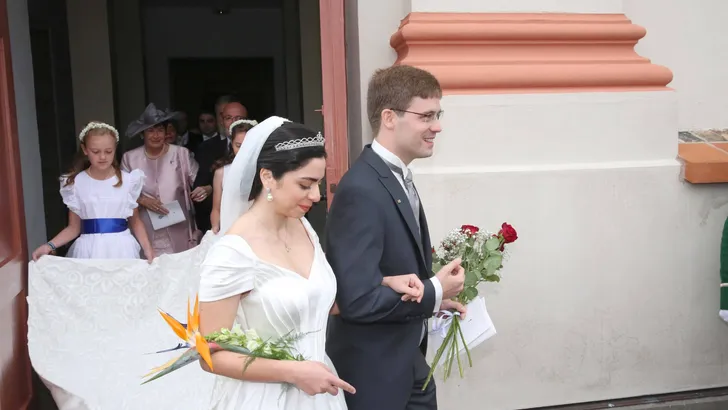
612 289
691 38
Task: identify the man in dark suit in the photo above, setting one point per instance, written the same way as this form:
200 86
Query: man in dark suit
186 138
376 227
212 148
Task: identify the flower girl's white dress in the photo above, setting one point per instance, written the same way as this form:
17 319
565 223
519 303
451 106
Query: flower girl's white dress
280 302
101 205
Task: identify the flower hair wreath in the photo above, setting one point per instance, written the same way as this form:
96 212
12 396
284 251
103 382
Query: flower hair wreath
238 122
92 125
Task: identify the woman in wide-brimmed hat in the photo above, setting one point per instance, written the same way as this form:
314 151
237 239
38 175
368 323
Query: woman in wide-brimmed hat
170 172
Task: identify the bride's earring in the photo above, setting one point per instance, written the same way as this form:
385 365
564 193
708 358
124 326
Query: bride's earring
268 195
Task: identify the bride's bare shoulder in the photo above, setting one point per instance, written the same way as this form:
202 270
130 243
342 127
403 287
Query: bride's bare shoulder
244 227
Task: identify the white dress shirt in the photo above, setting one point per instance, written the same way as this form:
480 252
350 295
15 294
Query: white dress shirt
388 156
215 134
183 139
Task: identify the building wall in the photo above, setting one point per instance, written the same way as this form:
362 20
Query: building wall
690 38
88 35
369 24
22 63
612 289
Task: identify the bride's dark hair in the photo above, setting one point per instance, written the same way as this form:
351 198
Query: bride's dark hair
281 162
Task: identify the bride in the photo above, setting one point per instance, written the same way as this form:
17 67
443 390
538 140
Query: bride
267 272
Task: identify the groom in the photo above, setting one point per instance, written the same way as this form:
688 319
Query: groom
377 227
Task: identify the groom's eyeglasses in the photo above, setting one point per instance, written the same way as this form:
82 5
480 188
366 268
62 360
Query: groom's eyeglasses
427 116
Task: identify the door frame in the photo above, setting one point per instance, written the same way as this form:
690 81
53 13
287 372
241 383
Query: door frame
15 369
333 80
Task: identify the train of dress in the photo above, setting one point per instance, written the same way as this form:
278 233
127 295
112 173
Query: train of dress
92 325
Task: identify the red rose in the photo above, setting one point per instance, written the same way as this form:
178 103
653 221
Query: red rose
469 229
509 234
433 249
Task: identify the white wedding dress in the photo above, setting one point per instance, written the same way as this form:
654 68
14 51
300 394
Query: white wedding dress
93 329
279 302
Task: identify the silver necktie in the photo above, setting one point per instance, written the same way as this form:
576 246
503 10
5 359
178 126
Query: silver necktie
414 200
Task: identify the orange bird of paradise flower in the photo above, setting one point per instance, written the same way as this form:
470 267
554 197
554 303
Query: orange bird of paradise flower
198 346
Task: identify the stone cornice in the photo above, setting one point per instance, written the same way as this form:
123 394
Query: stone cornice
481 53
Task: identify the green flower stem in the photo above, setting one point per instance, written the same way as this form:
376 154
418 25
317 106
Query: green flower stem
437 357
456 348
467 351
451 344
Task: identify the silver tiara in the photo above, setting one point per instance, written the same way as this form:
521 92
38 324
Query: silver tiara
317 141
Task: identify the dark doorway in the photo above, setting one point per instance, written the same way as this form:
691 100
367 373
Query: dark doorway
53 103
197 82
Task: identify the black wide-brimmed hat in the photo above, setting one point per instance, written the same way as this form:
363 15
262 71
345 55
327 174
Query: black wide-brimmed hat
149 118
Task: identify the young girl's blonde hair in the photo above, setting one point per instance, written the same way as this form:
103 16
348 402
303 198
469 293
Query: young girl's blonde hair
81 162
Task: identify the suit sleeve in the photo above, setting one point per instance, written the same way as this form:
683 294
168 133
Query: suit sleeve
355 245
204 173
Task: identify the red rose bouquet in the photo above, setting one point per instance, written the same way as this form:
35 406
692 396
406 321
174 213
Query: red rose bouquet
482 256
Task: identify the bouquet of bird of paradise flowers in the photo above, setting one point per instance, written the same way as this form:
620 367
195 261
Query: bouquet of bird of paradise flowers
246 342
481 256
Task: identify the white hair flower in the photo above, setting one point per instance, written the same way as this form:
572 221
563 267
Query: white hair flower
243 121
93 125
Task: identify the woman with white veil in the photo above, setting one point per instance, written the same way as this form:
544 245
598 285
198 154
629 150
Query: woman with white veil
268 273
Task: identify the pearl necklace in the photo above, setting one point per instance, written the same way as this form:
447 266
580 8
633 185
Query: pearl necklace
164 151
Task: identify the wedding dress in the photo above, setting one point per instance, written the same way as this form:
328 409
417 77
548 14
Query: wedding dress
92 324
280 302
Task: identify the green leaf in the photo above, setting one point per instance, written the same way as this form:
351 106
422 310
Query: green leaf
492 264
436 266
188 357
492 243
471 278
492 278
468 294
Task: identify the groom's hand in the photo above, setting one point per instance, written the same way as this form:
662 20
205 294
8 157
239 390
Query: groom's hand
449 304
452 279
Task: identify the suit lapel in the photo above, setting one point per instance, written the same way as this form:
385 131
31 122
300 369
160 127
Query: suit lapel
398 196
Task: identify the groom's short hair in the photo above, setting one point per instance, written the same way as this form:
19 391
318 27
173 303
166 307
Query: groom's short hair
395 87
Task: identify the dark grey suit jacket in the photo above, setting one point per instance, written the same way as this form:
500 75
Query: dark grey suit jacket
206 154
371 233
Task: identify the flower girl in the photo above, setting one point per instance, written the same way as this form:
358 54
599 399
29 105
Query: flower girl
101 199
238 129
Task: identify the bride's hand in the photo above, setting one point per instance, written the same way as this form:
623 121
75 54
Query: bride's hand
334 309
409 285
315 378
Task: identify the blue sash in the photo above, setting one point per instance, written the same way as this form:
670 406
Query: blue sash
103 225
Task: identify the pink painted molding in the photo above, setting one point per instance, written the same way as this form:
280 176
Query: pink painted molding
484 53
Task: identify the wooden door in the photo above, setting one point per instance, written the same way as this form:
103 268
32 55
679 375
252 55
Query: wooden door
333 78
15 374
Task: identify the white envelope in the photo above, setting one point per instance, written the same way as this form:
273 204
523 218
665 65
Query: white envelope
477 327
174 216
